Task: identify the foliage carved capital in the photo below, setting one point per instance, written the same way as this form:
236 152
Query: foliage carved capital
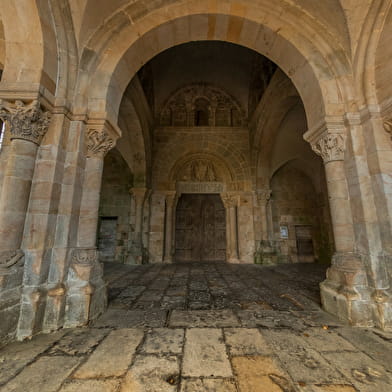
230 200
27 121
331 147
101 137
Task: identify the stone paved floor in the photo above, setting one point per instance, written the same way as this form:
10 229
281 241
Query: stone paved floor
205 327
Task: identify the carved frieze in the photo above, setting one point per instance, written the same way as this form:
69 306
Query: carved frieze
27 121
84 256
331 147
99 142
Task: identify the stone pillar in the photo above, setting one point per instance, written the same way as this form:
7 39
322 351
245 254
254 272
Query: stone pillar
344 292
230 201
86 297
28 124
171 202
263 197
136 243
266 253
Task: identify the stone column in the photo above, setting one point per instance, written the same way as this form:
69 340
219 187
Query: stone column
343 292
28 124
266 253
136 250
171 201
86 297
230 201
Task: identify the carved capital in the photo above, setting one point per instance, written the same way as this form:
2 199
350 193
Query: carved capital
10 258
263 196
229 200
101 137
388 126
84 256
27 121
331 147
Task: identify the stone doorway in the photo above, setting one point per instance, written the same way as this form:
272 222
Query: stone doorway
200 228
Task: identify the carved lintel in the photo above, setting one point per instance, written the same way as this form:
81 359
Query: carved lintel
101 137
331 147
8 259
230 200
27 121
84 256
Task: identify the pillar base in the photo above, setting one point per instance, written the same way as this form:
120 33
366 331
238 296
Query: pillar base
87 293
10 296
346 294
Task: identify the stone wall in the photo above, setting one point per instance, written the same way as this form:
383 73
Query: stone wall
296 205
116 202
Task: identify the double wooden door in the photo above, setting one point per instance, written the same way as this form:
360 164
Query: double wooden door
200 228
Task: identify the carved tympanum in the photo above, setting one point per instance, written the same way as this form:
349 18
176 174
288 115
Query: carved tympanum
330 147
199 170
99 142
27 121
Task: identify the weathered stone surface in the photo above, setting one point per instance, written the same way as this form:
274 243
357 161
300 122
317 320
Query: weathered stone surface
327 388
210 318
164 340
119 346
79 341
205 354
324 340
243 341
362 372
208 385
260 374
91 386
377 348
302 362
118 318
47 374
152 374
16 356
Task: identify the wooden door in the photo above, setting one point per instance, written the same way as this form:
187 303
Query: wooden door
200 228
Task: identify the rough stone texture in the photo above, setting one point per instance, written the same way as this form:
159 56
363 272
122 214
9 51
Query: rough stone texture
164 341
301 351
47 374
212 318
151 374
91 385
205 354
120 346
242 341
260 374
208 385
303 362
